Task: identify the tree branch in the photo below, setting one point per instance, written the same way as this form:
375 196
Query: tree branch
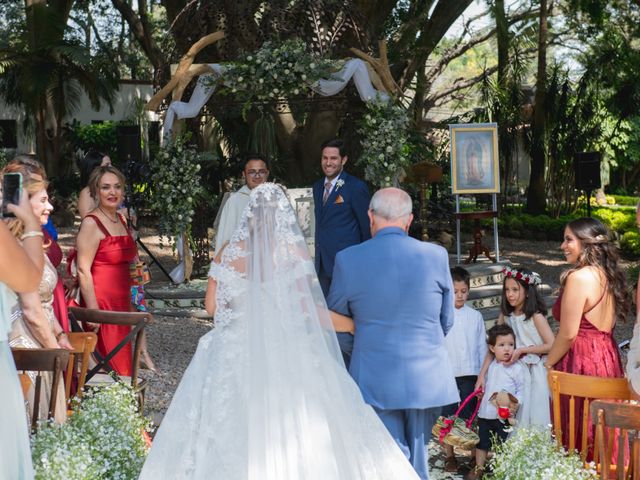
183 74
460 50
459 85
141 30
444 15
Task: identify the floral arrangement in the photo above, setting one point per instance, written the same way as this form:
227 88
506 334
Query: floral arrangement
532 454
384 141
529 278
103 438
176 180
274 71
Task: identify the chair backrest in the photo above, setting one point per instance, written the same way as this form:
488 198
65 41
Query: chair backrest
42 360
626 417
136 320
84 344
587 388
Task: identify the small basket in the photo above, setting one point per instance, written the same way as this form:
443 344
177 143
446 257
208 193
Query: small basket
454 430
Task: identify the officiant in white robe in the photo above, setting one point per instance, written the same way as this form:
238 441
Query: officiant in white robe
255 172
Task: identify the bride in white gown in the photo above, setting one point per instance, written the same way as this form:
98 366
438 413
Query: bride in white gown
266 396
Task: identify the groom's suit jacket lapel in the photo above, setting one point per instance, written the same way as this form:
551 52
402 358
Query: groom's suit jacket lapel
334 193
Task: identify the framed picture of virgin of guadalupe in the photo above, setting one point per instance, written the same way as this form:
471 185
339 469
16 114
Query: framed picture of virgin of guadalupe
474 158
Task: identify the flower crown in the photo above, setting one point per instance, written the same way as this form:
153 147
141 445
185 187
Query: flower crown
529 278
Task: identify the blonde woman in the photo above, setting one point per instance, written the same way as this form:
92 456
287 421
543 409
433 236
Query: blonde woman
34 324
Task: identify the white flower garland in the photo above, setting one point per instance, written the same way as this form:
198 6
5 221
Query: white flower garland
384 140
275 71
175 174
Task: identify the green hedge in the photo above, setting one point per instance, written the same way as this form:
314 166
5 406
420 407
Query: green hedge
630 244
625 200
622 221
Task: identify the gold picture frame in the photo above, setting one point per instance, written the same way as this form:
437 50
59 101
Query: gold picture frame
474 158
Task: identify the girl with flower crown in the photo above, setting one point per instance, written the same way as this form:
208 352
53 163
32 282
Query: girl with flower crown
524 310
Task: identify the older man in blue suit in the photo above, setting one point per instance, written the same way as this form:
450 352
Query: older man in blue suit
399 293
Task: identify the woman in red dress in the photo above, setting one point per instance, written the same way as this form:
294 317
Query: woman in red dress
593 298
105 251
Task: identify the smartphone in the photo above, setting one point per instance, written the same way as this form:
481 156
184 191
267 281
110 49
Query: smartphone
11 191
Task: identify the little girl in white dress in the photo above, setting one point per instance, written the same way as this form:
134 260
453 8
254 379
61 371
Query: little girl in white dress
524 310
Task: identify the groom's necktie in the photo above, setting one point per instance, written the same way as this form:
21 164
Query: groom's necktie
327 190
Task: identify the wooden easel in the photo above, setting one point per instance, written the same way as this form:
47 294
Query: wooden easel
478 247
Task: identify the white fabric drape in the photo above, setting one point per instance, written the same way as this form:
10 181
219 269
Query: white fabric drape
354 69
177 274
267 396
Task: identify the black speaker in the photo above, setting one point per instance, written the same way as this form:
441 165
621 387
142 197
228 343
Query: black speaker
587 167
129 144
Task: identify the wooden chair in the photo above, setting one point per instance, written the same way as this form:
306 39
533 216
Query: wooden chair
42 360
25 384
84 344
137 321
626 417
590 388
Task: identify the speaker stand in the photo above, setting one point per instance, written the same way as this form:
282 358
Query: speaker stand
588 203
154 259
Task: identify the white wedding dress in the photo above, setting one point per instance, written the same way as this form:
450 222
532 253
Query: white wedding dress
266 396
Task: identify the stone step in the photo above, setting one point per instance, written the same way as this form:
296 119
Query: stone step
483 272
182 313
155 304
166 297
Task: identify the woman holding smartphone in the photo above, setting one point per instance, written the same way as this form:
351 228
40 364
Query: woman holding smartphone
20 271
34 324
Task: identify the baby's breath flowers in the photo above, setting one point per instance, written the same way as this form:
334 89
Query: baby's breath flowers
102 439
532 454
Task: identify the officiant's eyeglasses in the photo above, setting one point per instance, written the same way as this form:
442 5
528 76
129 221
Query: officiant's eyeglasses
257 173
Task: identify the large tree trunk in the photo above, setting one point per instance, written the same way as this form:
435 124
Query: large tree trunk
47 125
536 198
502 37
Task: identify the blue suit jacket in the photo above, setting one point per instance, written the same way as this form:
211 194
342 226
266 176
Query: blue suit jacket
340 225
400 294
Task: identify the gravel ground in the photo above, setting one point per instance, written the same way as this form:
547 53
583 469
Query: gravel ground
173 340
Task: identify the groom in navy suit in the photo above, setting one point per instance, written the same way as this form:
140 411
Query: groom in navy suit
341 202
399 293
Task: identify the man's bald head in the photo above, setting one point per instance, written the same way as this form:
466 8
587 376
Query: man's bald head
390 207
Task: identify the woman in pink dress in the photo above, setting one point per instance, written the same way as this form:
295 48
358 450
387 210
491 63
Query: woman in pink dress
593 298
105 252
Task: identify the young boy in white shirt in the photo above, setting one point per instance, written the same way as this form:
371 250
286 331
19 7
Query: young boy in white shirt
467 346
502 375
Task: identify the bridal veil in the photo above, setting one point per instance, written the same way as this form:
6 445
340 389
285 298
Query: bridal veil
267 396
